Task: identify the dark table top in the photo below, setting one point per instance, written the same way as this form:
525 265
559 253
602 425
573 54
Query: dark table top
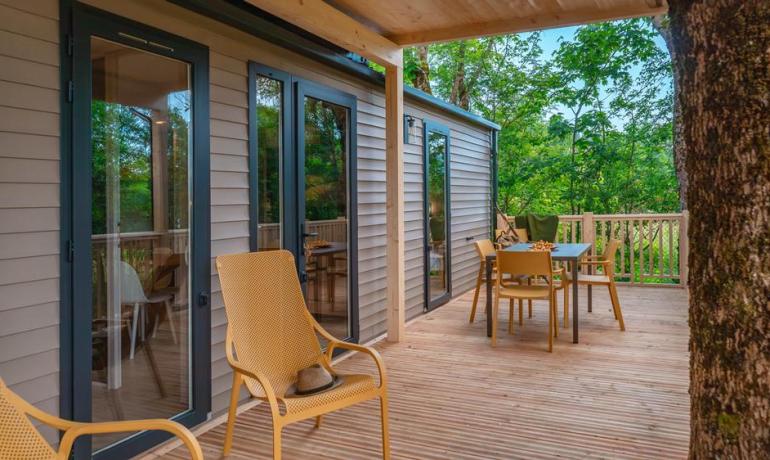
562 251
333 248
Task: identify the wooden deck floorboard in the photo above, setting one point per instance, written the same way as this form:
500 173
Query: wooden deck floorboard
614 395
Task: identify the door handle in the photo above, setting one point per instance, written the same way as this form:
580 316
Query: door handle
309 234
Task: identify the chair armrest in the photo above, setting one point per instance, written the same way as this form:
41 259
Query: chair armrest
337 343
594 262
80 429
375 355
259 377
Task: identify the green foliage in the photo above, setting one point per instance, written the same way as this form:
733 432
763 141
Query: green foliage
325 160
588 128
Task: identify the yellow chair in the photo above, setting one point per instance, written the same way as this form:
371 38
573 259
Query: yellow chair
521 234
534 264
607 278
485 248
271 336
20 440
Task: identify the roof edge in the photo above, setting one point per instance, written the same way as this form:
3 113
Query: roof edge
263 25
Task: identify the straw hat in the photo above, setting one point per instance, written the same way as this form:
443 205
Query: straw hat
313 379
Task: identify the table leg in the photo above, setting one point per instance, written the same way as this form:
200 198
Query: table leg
489 297
575 308
590 296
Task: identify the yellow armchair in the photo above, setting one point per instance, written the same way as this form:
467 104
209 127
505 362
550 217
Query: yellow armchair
271 336
20 440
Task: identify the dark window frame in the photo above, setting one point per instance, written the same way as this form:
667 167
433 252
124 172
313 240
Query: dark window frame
294 91
431 126
78 23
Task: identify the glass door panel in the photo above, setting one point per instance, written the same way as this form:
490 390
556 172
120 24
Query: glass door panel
437 250
269 108
141 126
325 220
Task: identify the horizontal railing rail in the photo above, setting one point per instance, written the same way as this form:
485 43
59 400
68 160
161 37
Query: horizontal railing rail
653 250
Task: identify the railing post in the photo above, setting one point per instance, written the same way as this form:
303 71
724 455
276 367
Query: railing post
684 248
587 234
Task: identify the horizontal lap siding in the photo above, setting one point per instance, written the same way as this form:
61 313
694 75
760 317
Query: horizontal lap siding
229 195
470 194
29 201
414 221
470 202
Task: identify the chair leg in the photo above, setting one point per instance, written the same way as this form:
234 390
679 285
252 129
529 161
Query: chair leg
521 312
171 321
529 302
550 324
566 305
553 313
495 309
384 424
476 295
616 306
134 323
510 317
276 441
234 392
318 420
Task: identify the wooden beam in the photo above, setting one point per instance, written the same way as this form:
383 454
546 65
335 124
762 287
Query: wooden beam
394 179
548 19
329 23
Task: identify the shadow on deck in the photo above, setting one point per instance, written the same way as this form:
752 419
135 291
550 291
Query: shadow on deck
614 395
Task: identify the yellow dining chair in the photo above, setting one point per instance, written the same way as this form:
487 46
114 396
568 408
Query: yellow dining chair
607 278
485 248
534 264
20 440
271 336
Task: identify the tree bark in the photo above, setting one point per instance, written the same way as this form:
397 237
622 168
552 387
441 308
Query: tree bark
663 26
421 78
724 69
458 83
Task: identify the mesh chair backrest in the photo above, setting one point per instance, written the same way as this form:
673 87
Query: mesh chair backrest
267 316
522 234
485 248
609 252
532 263
19 440
131 290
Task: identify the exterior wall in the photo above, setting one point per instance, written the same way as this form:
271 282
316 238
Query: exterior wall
29 183
29 200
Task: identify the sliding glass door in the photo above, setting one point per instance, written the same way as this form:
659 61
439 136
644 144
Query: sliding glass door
138 214
438 273
303 176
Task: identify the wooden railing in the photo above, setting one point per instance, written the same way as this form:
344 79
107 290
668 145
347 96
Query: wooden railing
329 230
653 249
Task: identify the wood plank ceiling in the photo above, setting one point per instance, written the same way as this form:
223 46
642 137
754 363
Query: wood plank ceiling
410 22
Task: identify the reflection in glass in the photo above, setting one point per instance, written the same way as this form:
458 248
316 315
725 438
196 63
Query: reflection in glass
437 225
140 159
326 214
269 148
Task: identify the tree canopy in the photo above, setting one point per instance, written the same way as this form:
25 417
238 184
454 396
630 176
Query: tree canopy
586 128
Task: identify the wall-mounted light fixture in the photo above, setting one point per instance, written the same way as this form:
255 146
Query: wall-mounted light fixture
410 129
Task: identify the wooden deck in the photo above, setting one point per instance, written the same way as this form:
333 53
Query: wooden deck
614 395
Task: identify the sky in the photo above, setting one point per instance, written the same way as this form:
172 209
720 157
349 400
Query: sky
550 40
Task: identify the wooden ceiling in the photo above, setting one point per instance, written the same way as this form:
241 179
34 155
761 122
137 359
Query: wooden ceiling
379 29
410 22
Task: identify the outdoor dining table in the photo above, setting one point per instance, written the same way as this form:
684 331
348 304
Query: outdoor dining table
562 252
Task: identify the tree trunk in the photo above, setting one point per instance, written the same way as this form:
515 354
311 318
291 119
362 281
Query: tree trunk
458 83
663 26
724 69
421 78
